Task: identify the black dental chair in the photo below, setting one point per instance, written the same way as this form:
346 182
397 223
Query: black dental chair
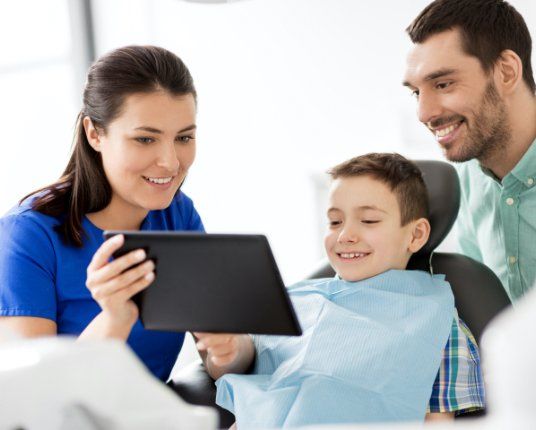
478 293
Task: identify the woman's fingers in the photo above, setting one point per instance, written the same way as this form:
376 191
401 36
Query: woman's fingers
116 267
143 273
134 288
122 277
105 251
112 284
125 294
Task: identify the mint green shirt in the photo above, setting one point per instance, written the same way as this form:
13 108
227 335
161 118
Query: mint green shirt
497 221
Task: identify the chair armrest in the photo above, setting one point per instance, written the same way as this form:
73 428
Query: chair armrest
194 385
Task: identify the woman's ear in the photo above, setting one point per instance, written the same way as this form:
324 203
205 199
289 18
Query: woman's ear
92 134
509 71
420 233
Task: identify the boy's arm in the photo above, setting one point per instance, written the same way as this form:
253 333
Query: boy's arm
439 416
225 353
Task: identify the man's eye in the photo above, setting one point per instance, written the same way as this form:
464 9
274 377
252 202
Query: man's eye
185 139
443 85
415 93
144 140
370 221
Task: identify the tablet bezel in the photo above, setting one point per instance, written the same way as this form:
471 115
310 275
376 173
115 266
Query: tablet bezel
157 243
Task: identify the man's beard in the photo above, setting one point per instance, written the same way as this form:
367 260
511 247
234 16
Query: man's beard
489 132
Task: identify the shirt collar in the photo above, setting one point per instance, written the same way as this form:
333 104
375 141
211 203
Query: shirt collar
526 167
524 170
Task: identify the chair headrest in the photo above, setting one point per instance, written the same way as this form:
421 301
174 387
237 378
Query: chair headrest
443 188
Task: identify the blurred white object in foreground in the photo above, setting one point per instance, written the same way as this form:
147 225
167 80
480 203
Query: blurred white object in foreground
58 383
509 354
61 384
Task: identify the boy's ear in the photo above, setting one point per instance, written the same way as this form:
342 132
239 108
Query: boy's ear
419 235
92 134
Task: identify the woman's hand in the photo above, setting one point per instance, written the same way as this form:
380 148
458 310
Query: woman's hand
112 284
225 353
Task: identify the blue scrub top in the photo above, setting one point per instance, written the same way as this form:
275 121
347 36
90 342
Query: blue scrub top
41 276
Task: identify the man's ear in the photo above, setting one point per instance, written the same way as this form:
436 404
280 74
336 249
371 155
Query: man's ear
508 71
420 233
92 134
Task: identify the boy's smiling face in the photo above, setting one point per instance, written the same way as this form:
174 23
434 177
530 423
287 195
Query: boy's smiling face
365 236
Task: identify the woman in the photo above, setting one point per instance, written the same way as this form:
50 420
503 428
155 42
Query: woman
134 145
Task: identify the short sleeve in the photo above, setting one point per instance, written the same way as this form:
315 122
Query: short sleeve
27 269
459 385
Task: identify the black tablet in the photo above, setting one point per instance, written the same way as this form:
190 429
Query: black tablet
226 283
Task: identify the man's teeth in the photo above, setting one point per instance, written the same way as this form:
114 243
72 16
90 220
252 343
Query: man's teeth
159 180
353 255
444 131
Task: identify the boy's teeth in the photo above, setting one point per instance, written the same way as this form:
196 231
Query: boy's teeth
351 255
444 131
159 180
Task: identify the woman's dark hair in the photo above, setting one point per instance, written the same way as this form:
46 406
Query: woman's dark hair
83 187
488 27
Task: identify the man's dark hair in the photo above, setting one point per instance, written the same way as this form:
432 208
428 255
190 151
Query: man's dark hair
488 27
402 176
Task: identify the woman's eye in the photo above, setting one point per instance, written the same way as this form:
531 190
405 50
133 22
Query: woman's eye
144 140
334 223
185 139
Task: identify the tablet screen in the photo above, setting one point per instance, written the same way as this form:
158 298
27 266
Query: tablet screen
213 283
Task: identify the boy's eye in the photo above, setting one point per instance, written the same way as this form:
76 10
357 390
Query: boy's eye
185 139
144 140
334 223
370 221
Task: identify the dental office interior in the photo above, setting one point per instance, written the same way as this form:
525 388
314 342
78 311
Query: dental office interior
286 89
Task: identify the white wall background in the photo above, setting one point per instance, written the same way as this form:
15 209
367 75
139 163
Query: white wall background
287 88
37 102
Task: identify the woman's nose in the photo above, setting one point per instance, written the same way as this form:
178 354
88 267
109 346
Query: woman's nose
167 157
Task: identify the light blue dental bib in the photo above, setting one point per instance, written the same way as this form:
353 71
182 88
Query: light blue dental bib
370 352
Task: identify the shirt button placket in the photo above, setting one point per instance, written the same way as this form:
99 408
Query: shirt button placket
510 228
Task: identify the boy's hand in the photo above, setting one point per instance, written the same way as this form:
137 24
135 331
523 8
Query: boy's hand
222 348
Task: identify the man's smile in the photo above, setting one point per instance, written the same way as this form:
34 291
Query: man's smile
445 134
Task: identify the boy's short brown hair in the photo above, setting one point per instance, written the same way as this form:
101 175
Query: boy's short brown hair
401 175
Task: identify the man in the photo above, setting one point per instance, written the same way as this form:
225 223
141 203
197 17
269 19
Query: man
470 71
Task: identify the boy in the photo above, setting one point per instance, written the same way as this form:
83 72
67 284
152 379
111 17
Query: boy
375 336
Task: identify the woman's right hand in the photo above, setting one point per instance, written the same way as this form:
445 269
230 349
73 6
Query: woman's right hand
113 284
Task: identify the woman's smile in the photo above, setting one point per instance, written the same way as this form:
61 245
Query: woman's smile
162 183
